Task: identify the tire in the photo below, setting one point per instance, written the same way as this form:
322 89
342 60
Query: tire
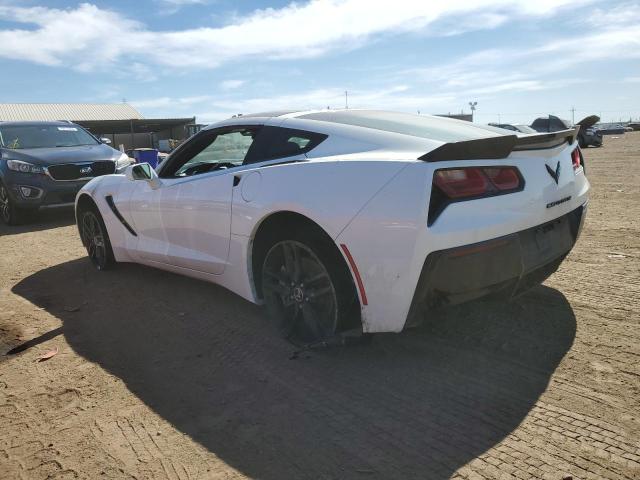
95 238
308 291
9 213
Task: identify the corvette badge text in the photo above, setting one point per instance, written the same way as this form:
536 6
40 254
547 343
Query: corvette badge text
558 202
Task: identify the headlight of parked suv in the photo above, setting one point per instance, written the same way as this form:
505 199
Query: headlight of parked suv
23 167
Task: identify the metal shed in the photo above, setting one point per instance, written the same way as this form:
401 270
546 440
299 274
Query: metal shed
120 122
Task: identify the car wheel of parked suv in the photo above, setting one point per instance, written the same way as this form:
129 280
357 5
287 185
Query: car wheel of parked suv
9 213
95 238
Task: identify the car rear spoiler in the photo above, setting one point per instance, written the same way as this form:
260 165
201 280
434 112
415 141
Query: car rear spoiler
498 147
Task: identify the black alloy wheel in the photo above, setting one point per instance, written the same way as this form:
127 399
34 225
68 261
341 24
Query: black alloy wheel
8 211
299 293
96 240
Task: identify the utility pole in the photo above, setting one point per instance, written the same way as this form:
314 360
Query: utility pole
473 109
573 115
346 100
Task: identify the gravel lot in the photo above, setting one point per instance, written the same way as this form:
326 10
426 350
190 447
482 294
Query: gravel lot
163 377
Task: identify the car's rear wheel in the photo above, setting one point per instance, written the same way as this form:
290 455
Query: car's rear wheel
301 290
95 238
9 213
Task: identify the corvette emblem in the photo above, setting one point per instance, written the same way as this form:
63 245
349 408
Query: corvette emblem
554 174
84 170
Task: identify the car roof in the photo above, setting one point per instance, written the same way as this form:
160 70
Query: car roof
379 127
35 122
270 114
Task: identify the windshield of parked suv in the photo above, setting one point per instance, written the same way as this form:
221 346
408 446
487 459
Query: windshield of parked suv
44 136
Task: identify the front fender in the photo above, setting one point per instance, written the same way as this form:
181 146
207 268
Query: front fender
119 188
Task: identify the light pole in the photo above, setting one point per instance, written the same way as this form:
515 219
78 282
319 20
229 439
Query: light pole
473 108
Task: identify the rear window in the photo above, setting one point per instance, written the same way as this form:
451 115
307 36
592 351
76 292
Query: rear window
433 128
278 142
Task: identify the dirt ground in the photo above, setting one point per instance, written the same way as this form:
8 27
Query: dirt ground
163 377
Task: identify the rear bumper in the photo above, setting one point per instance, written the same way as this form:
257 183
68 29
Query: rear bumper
505 266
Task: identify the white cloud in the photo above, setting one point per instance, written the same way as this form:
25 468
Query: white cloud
214 107
614 15
231 84
83 37
538 67
102 37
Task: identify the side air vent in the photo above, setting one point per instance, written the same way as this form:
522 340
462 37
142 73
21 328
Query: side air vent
119 216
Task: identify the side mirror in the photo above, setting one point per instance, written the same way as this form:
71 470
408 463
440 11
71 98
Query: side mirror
105 140
143 171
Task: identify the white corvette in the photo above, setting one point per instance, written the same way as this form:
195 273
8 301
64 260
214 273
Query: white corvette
336 220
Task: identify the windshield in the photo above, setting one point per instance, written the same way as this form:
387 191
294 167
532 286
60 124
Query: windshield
44 136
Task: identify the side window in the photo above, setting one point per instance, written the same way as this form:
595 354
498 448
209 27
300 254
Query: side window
277 142
212 150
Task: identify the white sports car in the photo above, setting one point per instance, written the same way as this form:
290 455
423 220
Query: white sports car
337 220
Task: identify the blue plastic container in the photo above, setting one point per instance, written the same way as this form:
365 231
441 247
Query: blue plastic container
146 155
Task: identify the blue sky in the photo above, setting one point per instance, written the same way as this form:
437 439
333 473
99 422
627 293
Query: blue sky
212 58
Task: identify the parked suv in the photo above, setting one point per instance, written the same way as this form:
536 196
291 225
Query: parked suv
44 164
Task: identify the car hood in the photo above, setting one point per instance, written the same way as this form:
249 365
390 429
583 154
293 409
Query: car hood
62 155
589 121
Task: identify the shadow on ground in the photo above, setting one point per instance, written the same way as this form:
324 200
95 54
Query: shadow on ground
41 220
416 405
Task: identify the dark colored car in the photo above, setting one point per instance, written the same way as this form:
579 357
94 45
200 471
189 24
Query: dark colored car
587 136
44 164
612 129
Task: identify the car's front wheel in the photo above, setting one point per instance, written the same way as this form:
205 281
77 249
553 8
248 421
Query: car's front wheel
95 238
9 213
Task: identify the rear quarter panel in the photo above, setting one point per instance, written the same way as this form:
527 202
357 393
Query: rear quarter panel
328 192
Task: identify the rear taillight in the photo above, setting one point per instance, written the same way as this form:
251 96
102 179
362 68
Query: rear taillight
459 184
576 159
503 178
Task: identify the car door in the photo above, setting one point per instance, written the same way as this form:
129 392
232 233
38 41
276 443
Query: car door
193 209
143 208
184 222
